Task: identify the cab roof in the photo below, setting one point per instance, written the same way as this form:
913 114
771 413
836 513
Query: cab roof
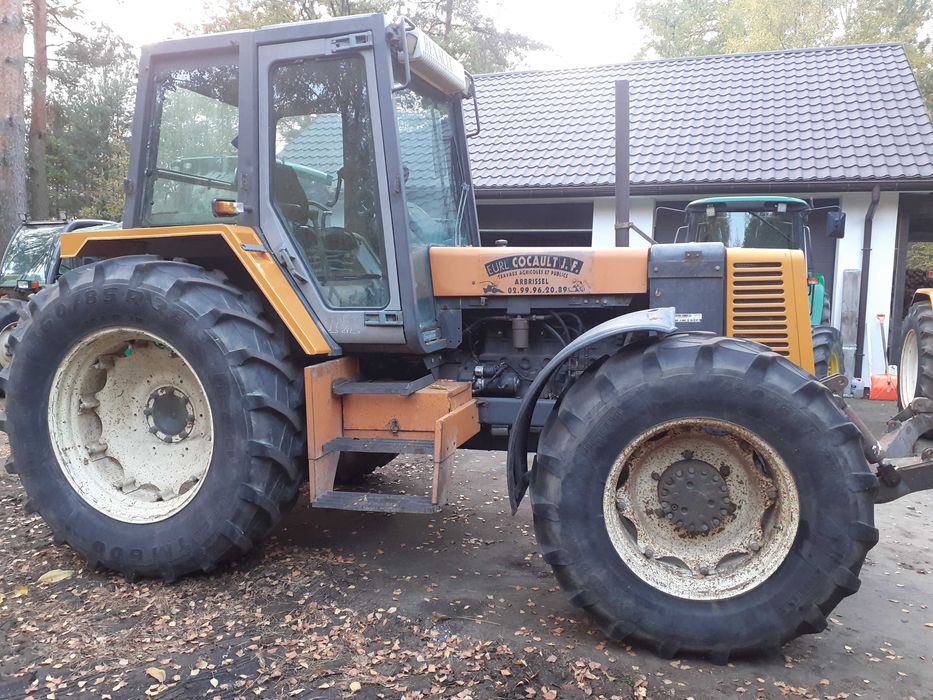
742 203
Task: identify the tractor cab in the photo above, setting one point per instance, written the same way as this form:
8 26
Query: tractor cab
340 142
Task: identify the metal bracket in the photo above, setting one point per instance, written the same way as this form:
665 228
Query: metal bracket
350 42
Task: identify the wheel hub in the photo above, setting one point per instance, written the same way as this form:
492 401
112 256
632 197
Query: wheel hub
701 508
169 414
131 425
693 496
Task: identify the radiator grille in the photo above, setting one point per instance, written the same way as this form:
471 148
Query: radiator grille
759 300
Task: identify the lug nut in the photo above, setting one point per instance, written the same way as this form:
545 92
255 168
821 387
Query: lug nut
755 546
704 571
649 553
655 476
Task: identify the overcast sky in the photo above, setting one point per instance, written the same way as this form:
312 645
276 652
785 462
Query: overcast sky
586 32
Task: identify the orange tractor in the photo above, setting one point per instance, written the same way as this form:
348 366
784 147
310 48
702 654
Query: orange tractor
299 295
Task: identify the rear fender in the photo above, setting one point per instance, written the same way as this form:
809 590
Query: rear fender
923 294
659 321
238 247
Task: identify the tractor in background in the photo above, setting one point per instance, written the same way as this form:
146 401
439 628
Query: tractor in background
776 222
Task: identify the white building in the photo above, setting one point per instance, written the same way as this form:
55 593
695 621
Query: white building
832 125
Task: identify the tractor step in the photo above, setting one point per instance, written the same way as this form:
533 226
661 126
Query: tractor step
425 416
345 387
402 447
376 502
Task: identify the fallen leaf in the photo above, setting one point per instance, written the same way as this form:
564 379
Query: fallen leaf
55 575
156 673
19 591
355 687
929 624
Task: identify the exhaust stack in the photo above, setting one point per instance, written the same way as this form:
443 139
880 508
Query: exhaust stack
623 197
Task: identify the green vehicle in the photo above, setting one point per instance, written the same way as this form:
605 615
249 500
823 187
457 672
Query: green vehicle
775 222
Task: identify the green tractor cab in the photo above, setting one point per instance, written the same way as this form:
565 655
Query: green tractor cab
775 222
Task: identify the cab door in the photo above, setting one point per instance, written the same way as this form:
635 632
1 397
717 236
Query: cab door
324 196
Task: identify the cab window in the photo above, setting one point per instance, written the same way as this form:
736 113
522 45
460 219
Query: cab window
324 183
193 146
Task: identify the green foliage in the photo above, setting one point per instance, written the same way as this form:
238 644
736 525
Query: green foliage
920 256
90 114
700 27
460 26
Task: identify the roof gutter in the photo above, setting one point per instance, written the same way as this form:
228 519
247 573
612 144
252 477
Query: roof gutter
673 189
863 281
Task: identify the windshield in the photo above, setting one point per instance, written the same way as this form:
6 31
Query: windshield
745 229
438 199
28 255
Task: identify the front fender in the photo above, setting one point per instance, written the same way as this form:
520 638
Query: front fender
518 476
922 294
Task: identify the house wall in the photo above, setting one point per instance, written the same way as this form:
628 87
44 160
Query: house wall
881 274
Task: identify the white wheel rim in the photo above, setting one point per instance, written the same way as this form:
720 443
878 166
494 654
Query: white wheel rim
131 425
909 367
740 490
6 356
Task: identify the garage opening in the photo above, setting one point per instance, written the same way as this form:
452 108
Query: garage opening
528 224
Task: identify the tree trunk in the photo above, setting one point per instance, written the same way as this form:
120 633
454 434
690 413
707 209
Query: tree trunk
448 17
39 117
12 124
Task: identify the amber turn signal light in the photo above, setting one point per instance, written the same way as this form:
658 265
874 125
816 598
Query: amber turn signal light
225 207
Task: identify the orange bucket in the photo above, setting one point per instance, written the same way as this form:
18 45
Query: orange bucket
883 387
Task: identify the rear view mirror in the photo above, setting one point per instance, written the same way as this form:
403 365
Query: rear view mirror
835 224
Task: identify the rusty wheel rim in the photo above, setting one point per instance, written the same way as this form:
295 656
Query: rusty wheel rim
701 508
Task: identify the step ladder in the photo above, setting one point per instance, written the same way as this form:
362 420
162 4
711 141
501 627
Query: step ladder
349 414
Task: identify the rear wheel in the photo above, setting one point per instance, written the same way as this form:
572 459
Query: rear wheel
827 352
676 498
157 426
915 369
354 466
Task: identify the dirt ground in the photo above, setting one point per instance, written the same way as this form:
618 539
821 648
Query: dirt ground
457 605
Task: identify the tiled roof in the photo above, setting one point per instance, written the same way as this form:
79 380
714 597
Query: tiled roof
810 115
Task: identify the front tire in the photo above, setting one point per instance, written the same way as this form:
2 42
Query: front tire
157 424
827 352
915 369
12 313
752 446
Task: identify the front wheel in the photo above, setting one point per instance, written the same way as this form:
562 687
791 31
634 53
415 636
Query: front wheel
703 497
156 423
827 352
12 312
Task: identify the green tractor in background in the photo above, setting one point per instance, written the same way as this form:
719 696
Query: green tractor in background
775 222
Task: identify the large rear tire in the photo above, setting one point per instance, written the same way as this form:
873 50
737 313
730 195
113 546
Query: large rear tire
915 369
352 467
156 423
827 352
703 497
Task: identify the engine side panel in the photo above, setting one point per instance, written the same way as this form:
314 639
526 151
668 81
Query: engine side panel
767 301
477 272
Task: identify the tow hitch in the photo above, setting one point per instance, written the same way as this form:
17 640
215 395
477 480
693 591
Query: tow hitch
899 469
